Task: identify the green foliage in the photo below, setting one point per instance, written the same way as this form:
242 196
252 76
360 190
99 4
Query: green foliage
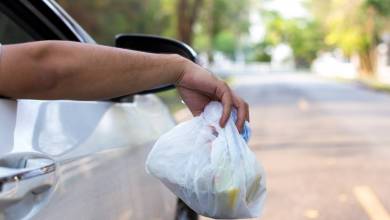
219 25
260 52
305 39
346 29
355 27
304 36
202 42
225 42
381 6
103 19
262 57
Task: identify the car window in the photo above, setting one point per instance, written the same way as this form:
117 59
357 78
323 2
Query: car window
10 32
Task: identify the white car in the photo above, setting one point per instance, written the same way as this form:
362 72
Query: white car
81 159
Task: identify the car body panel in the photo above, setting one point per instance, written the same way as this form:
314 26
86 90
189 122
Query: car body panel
99 147
7 125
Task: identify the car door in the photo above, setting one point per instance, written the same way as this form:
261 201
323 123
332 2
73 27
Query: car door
76 159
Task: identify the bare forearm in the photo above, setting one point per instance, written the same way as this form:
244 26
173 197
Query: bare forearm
67 70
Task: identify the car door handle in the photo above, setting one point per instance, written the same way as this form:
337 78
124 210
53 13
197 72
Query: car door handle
23 173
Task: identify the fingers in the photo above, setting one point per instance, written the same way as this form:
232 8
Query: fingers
247 112
199 87
227 101
242 112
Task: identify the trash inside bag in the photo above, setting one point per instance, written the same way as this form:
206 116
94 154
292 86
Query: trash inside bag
210 168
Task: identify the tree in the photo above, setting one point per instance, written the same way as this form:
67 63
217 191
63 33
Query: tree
106 18
304 36
187 15
355 27
261 52
353 33
221 25
383 9
212 24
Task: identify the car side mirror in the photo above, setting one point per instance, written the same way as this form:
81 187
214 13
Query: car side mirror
155 44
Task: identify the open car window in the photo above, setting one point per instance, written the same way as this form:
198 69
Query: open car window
11 33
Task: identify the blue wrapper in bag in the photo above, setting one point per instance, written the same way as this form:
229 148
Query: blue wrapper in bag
246 132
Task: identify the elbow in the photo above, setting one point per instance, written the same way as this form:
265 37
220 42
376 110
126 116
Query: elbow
35 70
48 57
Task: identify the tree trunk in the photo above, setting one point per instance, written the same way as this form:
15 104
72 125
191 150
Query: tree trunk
368 55
187 11
367 63
388 54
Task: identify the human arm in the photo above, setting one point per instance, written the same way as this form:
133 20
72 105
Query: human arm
70 70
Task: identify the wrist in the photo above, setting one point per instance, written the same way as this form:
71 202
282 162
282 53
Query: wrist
180 64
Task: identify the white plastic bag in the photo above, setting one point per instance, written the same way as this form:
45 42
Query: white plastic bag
211 169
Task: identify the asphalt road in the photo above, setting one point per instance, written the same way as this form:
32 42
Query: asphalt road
325 147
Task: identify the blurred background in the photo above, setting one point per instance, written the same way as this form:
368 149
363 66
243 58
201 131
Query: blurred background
316 75
269 35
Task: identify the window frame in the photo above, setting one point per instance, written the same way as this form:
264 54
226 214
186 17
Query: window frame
44 20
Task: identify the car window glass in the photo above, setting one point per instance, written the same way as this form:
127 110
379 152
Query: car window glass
10 32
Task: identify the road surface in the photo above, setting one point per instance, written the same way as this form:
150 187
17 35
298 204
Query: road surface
325 147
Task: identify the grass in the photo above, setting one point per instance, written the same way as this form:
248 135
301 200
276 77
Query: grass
376 85
368 82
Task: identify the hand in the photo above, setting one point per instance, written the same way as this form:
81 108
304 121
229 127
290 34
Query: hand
198 87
